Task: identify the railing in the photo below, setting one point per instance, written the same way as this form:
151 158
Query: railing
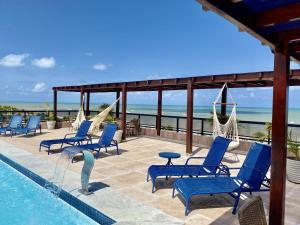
201 126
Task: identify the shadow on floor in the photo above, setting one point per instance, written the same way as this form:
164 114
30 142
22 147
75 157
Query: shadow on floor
96 186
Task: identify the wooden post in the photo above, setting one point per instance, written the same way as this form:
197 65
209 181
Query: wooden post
87 112
124 103
54 104
118 105
279 136
189 117
81 98
159 109
224 101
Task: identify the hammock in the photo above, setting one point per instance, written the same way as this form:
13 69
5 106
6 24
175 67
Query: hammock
97 120
230 128
80 116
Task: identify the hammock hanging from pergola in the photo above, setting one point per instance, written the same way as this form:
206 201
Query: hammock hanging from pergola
230 128
98 119
80 116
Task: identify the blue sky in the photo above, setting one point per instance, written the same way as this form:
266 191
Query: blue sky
52 43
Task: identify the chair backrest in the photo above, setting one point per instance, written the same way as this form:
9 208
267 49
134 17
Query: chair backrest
84 128
15 122
108 134
216 153
252 212
256 165
33 122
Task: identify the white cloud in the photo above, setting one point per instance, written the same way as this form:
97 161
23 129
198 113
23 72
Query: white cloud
44 63
13 60
39 87
88 54
100 66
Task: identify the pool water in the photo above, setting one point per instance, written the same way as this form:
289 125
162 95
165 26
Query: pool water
24 202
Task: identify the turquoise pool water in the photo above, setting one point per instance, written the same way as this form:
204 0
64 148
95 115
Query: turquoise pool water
24 202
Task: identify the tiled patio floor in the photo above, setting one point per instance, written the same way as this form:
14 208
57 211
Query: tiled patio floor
126 173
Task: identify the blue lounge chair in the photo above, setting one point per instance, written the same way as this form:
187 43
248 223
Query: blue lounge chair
210 166
251 178
105 141
14 123
33 123
80 136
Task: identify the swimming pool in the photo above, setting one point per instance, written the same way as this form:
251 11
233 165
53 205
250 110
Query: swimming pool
23 200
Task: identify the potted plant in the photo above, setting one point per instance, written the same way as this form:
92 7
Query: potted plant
293 161
51 121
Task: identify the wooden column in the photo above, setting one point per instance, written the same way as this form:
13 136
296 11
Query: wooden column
55 104
87 112
224 100
189 117
118 105
279 136
124 103
81 98
159 109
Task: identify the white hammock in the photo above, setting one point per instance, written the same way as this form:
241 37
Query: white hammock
80 116
97 120
230 128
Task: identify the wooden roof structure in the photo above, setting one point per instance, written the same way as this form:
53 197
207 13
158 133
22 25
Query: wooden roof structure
241 80
270 21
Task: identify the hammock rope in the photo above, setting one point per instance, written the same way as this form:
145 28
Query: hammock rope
230 128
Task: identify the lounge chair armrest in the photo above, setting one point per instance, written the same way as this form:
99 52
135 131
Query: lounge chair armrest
69 134
187 161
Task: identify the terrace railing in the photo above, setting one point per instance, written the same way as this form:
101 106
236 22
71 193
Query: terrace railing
201 126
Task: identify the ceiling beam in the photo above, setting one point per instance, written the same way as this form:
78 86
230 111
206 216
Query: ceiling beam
289 35
278 15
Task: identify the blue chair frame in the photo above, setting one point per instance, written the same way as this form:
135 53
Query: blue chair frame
251 178
80 136
105 141
14 123
33 123
210 166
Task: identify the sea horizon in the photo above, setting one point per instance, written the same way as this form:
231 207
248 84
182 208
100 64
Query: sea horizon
248 113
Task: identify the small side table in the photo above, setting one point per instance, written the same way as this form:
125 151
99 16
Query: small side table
169 156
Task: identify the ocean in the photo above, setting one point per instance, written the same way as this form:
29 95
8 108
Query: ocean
243 113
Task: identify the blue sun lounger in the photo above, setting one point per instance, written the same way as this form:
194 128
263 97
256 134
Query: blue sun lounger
14 123
33 123
81 135
105 141
210 166
251 178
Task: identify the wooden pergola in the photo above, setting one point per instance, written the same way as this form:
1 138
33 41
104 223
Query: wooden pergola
275 23
241 80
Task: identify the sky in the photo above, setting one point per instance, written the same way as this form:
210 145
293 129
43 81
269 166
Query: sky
66 42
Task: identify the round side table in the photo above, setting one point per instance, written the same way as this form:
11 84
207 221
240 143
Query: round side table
169 156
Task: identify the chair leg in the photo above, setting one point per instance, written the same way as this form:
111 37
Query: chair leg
117 148
236 203
153 186
187 206
105 149
173 192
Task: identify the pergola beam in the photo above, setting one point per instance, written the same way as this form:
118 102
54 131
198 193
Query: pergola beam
200 82
278 15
